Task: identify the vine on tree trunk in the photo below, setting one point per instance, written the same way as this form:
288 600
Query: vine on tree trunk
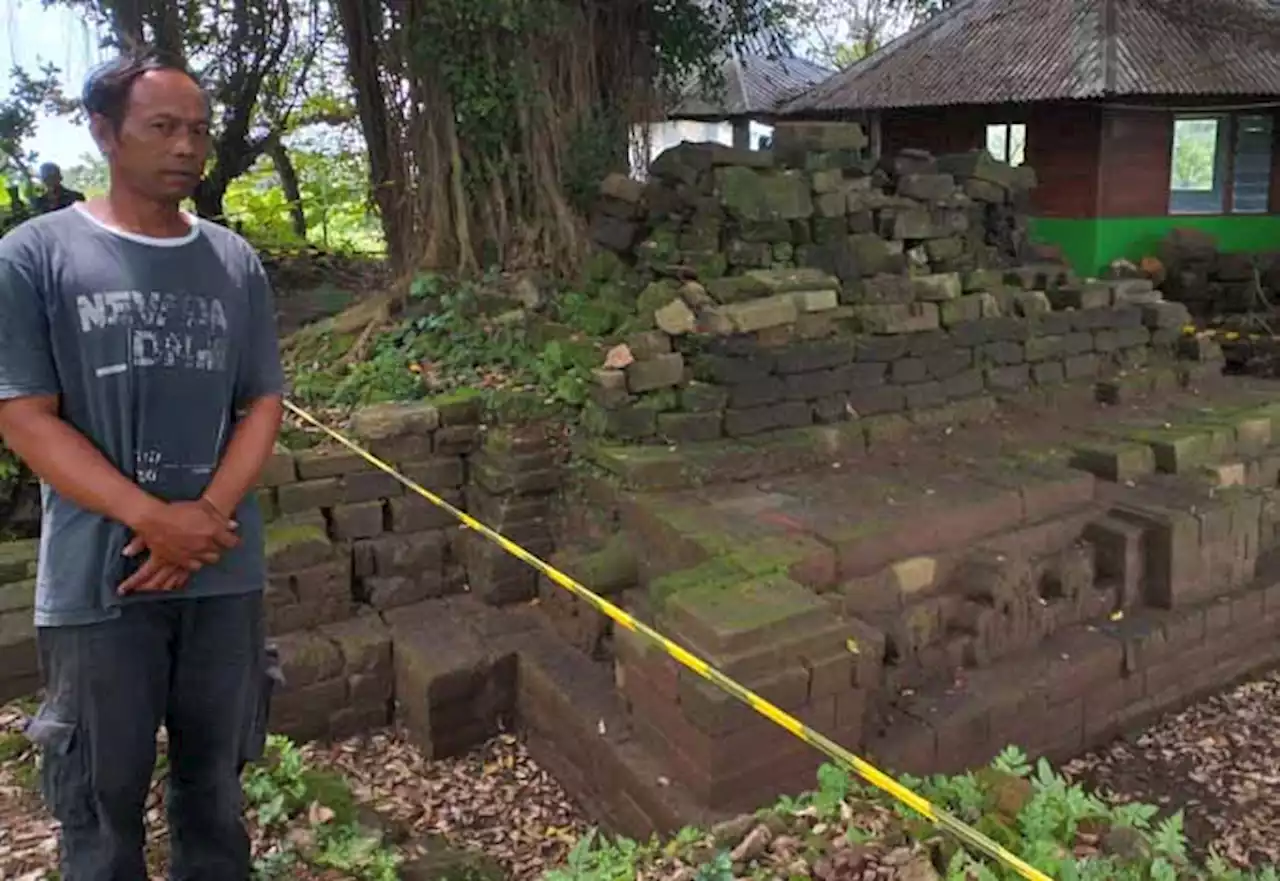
489 121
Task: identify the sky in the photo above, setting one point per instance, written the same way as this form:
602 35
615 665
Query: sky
31 36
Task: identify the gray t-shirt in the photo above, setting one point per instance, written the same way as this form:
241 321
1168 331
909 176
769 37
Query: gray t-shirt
152 346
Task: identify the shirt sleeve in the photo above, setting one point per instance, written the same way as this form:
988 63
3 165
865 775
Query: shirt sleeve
26 356
260 371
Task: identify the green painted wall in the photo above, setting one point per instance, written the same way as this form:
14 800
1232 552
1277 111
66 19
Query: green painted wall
1090 245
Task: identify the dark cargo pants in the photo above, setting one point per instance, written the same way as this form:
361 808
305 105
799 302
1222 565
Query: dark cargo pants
197 666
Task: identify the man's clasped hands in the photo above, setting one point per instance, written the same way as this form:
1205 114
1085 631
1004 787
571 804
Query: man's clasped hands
179 538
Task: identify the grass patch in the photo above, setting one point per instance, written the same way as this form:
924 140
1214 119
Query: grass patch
464 339
1028 809
312 816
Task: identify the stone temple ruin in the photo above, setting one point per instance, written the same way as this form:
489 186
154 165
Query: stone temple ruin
861 450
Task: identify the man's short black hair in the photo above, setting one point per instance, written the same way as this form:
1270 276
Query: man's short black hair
107 88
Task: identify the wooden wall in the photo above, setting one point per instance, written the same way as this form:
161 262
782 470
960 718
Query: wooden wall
936 129
1091 161
1133 169
1134 165
1062 145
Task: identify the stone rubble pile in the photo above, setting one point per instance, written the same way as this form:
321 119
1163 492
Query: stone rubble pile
810 285
1213 283
816 200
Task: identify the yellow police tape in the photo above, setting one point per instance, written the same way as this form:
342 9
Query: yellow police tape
833 750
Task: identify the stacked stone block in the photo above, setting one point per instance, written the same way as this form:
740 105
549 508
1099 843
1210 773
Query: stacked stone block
19 666
793 288
609 571
1084 686
1213 283
454 681
513 481
816 199
347 543
338 680
772 635
923 354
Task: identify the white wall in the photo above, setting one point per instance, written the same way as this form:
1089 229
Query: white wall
665 135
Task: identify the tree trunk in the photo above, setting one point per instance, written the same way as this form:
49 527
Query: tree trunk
288 175
208 197
362 26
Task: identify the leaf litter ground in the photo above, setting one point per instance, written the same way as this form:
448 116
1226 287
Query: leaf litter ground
495 800
1219 761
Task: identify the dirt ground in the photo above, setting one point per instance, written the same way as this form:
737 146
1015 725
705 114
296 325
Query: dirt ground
495 800
1218 761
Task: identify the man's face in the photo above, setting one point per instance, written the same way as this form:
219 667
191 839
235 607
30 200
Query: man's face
51 179
161 146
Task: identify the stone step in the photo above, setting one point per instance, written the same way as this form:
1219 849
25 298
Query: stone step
464 671
608 570
580 729
1083 686
1183 442
454 687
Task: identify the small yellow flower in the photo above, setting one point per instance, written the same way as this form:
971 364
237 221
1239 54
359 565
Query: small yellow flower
1189 329
1232 335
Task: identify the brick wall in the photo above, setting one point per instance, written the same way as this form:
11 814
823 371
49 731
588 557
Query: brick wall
19 670
929 355
1086 685
346 539
348 545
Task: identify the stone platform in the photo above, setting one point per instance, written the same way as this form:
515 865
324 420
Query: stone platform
1044 571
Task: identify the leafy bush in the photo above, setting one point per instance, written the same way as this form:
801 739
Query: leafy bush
1056 826
460 334
313 817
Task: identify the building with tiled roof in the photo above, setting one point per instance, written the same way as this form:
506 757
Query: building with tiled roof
1139 116
754 81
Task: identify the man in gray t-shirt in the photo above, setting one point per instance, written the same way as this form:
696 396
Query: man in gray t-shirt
140 380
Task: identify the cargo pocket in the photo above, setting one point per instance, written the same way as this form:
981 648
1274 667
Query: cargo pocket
254 742
65 781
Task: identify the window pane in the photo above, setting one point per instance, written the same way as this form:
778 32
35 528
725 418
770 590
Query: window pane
1195 144
998 141
1017 143
1251 183
1196 166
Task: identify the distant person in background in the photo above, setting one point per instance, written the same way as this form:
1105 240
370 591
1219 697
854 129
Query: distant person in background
55 195
18 210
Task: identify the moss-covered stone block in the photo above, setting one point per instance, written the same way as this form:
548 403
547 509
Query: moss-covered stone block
1118 462
18 560
711 266
655 296
703 397
638 467
1179 451
719 618
751 195
395 420
789 281
1252 431
737 289
718 572
296 544
18 596
608 570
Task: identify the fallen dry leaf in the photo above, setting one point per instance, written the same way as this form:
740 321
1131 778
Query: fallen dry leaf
495 800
